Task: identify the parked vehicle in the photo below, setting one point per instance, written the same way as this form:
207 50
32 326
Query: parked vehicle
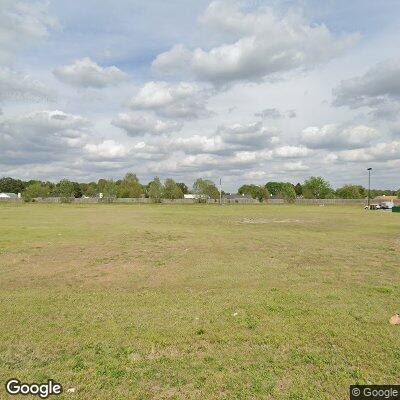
373 207
387 205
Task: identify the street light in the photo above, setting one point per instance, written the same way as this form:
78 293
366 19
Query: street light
369 185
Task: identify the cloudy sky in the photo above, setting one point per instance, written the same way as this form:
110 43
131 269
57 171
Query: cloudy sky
250 91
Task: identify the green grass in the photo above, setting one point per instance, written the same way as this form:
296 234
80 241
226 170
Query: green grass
197 301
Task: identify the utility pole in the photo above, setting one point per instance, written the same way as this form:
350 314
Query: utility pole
369 186
220 191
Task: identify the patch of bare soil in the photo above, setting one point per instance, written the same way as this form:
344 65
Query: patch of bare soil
269 221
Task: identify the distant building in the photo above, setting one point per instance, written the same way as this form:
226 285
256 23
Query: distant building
194 196
378 199
8 195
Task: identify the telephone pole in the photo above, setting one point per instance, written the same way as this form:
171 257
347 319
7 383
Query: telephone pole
369 186
220 191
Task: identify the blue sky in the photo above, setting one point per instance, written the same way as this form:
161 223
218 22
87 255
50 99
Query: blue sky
251 91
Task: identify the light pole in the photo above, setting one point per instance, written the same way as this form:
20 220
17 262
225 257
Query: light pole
369 185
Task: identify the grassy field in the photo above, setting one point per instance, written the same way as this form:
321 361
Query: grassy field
199 301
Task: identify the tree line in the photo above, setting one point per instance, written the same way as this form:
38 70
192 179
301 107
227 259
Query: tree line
314 187
130 186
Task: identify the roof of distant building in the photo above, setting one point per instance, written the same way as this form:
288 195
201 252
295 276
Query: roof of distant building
385 198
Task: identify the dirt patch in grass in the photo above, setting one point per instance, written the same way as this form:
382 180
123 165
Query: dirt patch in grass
271 221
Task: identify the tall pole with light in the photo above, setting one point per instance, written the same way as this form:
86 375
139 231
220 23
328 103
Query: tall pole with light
369 185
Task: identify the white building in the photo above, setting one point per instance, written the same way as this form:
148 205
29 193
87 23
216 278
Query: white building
8 195
194 196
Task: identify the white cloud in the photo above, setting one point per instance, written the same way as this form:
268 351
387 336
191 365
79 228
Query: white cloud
295 166
41 136
378 152
378 90
149 151
17 86
247 136
141 124
380 84
46 121
181 100
22 23
336 137
205 163
290 152
274 113
226 141
107 149
198 144
255 175
387 110
169 62
86 73
263 44
231 148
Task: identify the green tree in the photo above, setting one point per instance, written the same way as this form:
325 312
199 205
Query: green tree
273 187
109 189
65 188
89 189
381 192
131 177
37 189
183 187
77 189
255 191
283 190
317 187
130 186
350 192
298 189
155 189
287 192
205 188
172 190
101 185
11 185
